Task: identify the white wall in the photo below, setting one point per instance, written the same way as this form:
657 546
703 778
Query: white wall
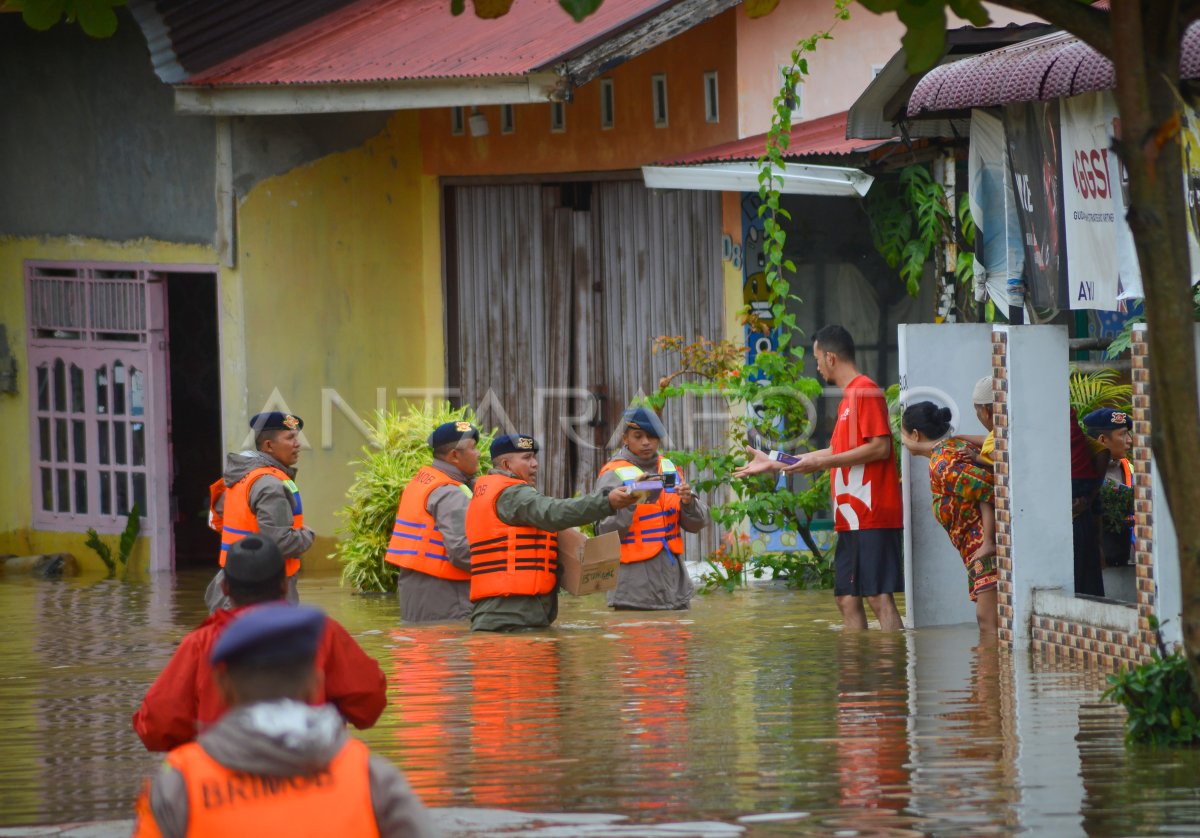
938 363
1039 467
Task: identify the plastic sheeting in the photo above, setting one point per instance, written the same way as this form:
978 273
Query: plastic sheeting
999 256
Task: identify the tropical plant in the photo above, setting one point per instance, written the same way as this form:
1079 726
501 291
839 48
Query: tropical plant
727 564
1116 507
796 568
1162 707
133 526
909 219
1088 391
398 447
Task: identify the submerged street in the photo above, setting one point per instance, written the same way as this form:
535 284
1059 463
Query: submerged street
752 714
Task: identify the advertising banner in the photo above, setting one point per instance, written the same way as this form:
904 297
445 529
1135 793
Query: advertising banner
1089 221
1031 133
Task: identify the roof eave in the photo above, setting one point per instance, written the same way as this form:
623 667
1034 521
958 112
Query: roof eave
402 94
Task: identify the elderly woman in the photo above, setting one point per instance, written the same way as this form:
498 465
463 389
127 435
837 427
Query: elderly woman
962 501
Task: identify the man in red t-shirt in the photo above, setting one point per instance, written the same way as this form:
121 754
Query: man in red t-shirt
867 505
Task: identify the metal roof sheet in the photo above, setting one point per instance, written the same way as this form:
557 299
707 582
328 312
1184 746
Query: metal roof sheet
391 40
1049 67
821 137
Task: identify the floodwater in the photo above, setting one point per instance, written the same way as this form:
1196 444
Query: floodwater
751 714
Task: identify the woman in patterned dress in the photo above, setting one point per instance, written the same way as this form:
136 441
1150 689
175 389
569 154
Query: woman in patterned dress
962 501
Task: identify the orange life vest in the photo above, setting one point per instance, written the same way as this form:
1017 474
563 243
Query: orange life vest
237 519
507 560
416 543
222 803
1127 472
655 525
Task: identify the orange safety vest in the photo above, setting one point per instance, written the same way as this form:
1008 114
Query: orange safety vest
416 543
237 519
507 560
1127 472
222 802
655 525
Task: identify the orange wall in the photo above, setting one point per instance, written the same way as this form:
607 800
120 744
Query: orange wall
633 141
840 69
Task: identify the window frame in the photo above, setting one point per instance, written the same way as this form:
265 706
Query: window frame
712 98
659 102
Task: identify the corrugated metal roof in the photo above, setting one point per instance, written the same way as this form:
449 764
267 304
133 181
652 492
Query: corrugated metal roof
822 137
391 40
1044 68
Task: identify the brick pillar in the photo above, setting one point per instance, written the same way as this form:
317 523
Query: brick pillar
1143 513
1004 591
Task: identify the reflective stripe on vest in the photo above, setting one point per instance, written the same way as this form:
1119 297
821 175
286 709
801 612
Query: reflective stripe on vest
507 560
221 802
655 525
416 543
239 520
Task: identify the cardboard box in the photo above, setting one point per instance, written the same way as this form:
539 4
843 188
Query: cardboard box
588 564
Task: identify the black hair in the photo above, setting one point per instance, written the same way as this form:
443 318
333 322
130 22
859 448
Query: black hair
263 436
252 593
443 450
835 339
932 421
255 681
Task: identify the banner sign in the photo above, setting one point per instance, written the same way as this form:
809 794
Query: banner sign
1089 221
1031 133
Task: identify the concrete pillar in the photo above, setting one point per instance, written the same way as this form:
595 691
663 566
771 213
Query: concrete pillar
938 363
1033 471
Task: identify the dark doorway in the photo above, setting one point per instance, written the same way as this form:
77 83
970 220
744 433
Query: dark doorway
194 377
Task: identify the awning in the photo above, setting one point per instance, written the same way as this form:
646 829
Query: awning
1050 67
797 178
822 137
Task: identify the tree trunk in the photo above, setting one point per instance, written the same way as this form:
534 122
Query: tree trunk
1146 50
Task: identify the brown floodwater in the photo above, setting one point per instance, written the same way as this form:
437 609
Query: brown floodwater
749 714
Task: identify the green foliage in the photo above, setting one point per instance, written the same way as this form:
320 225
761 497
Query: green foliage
1125 337
1158 695
398 448
133 526
800 569
95 17
1090 391
1116 507
909 218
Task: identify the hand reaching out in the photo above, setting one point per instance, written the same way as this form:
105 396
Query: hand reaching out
759 463
620 498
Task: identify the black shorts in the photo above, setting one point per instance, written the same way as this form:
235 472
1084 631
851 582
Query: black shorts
868 563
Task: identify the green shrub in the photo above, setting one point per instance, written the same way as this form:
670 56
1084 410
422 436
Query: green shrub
133 525
800 569
1162 704
399 446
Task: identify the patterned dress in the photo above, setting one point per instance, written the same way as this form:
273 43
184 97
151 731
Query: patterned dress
958 487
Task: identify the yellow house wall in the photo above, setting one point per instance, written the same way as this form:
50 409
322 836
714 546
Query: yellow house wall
16 489
336 296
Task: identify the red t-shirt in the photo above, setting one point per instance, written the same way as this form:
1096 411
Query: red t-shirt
867 496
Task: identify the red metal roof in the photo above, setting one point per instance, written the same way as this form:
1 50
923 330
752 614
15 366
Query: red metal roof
825 136
388 40
1044 68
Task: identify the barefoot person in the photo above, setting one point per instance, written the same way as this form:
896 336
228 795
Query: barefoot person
962 501
867 506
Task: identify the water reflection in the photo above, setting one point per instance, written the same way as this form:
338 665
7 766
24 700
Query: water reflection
750 712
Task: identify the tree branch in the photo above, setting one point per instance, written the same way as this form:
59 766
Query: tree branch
1088 23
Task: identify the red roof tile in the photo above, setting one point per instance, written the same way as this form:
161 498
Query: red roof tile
825 136
388 40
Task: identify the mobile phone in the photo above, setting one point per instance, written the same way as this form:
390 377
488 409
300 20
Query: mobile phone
786 459
669 480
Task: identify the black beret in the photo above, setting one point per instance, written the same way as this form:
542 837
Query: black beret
452 432
512 444
644 419
272 633
254 558
275 421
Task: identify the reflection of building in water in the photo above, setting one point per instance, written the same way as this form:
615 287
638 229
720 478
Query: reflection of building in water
516 734
430 697
872 723
93 662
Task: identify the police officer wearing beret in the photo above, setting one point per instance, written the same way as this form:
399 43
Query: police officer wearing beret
274 764
512 528
1114 430
429 540
258 494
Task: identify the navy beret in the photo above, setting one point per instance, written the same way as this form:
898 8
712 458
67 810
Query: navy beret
271 633
513 444
643 419
1106 419
452 432
275 421
254 558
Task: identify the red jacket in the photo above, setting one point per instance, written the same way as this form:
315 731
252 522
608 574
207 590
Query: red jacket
184 698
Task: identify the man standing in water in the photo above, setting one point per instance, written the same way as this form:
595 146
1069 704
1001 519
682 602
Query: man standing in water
867 505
